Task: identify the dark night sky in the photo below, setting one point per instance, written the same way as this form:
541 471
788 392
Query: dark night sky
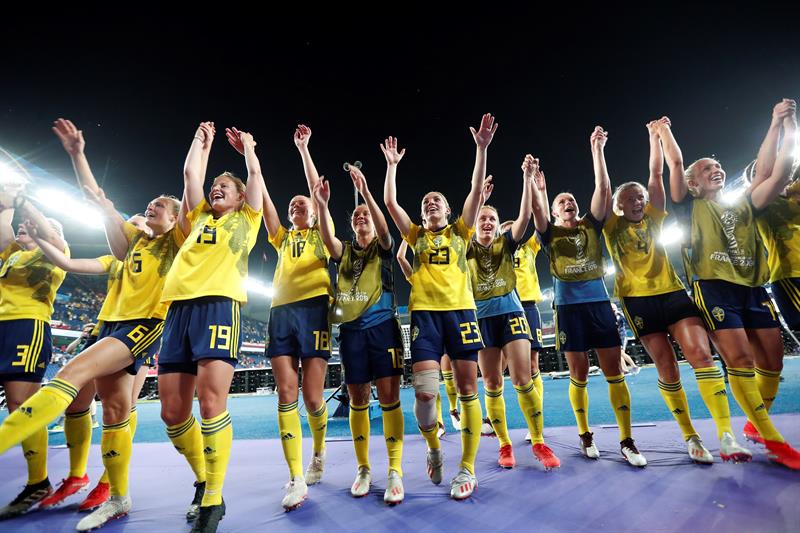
138 85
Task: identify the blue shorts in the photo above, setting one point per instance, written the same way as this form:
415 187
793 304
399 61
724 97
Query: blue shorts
142 337
726 305
455 333
372 353
581 327
787 295
534 323
499 330
26 346
655 314
300 329
201 328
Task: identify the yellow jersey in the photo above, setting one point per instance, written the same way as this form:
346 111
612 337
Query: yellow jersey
642 265
440 280
213 260
302 270
779 224
114 269
28 284
525 270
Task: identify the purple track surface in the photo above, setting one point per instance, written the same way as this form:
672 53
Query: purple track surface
671 494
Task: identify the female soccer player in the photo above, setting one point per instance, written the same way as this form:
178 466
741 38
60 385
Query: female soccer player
442 308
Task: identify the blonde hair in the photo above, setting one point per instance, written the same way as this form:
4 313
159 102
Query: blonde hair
492 208
691 174
616 200
176 203
446 203
241 187
553 205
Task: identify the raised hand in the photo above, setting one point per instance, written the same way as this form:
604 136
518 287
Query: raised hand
486 189
70 136
539 181
598 138
302 135
529 166
205 133
653 128
485 133
389 149
239 139
98 198
322 191
783 109
359 181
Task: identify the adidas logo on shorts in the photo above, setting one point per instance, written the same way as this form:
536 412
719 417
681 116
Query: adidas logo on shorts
110 454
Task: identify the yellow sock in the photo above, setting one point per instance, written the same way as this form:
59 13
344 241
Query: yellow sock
217 440
496 409
318 423
579 400
134 421
116 447
35 451
36 412
450 389
470 430
715 396
188 440
359 429
431 437
745 390
621 403
78 434
539 384
439 418
291 437
393 433
531 405
675 398
104 477
767 382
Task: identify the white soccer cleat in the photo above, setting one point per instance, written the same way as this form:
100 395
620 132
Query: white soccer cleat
730 450
361 485
486 428
315 468
394 489
697 452
296 492
115 507
463 485
631 453
435 462
588 447
441 431
455 419
528 437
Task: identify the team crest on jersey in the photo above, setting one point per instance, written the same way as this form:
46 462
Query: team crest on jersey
718 314
638 322
13 260
415 333
437 241
562 337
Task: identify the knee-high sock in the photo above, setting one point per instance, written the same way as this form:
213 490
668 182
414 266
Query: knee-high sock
745 390
439 418
318 423
579 400
188 440
36 412
78 434
531 405
134 421
217 440
393 433
496 409
359 429
35 450
675 398
620 399
117 447
470 430
768 382
715 396
539 384
450 389
291 437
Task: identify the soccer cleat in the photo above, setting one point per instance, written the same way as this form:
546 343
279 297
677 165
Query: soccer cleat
506 457
783 454
394 489
463 485
730 450
435 462
631 453
97 497
67 488
486 428
455 419
545 455
528 438
115 507
588 448
752 434
315 468
296 492
194 508
441 431
208 519
361 485
697 452
30 496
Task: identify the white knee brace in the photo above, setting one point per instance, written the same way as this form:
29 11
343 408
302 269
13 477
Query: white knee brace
426 382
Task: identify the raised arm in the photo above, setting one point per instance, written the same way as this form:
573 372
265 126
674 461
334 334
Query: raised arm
194 166
29 212
765 192
768 152
7 234
483 138
540 204
378 220
302 135
321 195
655 184
405 266
678 188
529 166
113 222
59 258
393 157
601 198
72 140
243 143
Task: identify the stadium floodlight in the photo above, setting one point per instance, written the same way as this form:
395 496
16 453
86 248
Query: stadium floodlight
258 287
10 176
671 234
610 270
729 197
65 205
